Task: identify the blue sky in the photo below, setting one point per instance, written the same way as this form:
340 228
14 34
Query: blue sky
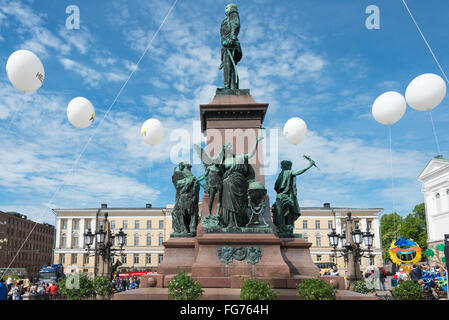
311 59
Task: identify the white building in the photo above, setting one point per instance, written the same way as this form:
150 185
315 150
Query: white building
435 180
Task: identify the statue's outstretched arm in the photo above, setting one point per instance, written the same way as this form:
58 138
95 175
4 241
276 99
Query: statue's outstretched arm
254 149
299 172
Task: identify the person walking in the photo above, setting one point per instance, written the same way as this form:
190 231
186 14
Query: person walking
41 291
9 283
54 290
382 276
3 290
17 292
415 273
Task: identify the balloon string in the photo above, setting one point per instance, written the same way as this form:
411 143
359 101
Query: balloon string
114 101
101 122
425 41
435 133
392 183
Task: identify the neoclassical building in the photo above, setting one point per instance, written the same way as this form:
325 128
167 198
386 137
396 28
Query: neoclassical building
316 222
435 187
147 228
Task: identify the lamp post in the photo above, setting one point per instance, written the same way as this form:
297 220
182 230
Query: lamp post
351 251
104 242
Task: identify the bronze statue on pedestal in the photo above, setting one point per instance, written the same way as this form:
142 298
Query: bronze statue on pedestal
286 209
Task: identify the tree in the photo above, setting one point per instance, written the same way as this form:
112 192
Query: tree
413 226
389 230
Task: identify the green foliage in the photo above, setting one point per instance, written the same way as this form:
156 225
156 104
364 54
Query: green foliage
361 287
102 286
440 247
413 226
184 287
408 290
14 278
73 292
316 289
253 289
429 253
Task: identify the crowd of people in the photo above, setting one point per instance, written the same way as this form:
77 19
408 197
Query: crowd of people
432 279
125 283
15 290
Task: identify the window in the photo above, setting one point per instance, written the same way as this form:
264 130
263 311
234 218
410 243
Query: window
86 259
438 202
88 224
76 224
149 224
369 224
160 257
149 239
137 224
148 258
125 224
124 260
318 240
332 259
161 239
74 258
136 258
304 224
64 224
357 224
64 241
62 258
371 261
306 237
112 224
317 224
330 224
318 258
75 241
136 239
161 224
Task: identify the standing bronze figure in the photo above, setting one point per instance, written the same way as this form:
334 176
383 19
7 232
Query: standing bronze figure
286 209
231 52
236 178
213 175
185 213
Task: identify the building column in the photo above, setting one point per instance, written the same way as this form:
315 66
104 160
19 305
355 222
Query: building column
81 240
375 230
58 233
69 233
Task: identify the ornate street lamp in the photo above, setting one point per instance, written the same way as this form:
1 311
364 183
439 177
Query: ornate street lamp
105 242
357 237
89 238
333 238
350 247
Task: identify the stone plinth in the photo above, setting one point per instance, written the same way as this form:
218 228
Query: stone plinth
233 116
295 252
209 265
179 253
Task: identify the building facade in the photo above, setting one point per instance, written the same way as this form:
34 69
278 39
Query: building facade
316 222
31 255
146 228
435 187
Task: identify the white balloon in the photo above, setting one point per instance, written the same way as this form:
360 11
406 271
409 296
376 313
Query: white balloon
389 107
25 71
425 92
295 130
152 132
80 112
